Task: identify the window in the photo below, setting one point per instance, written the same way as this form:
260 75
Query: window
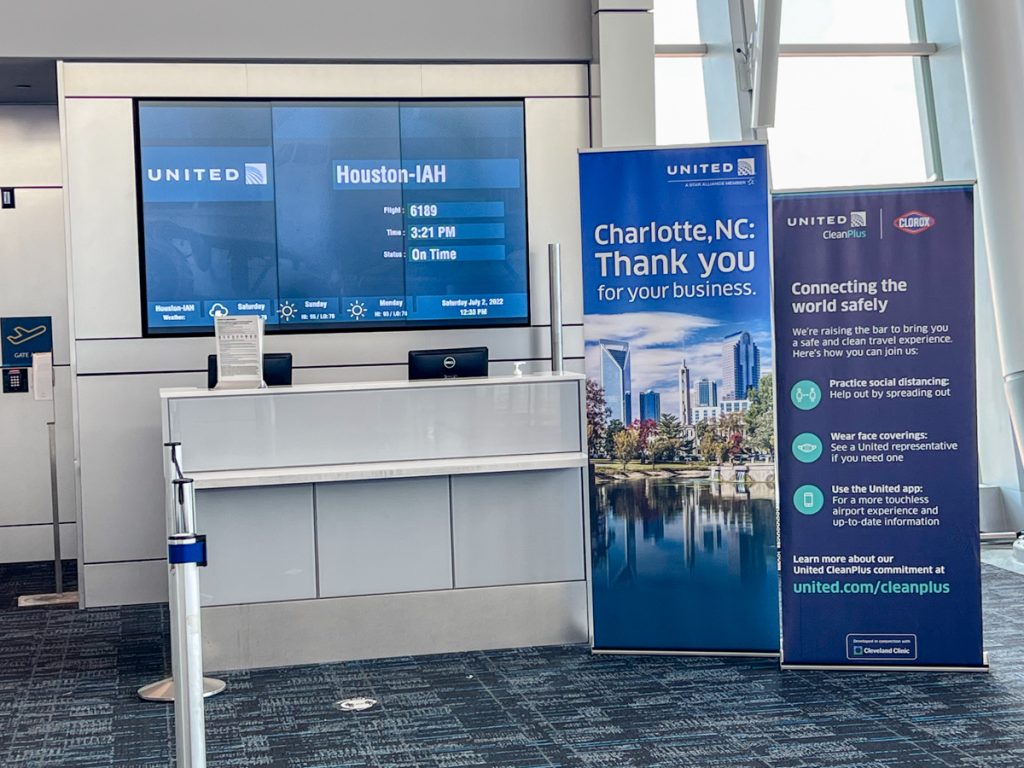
678 74
850 95
845 121
844 21
681 112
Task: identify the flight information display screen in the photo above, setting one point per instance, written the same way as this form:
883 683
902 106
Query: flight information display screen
332 215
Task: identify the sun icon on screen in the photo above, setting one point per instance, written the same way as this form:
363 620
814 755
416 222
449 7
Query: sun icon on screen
286 311
357 310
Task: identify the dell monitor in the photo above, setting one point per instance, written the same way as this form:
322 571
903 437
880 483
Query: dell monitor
447 363
277 369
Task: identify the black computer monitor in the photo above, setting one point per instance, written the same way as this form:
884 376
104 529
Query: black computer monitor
277 369
447 363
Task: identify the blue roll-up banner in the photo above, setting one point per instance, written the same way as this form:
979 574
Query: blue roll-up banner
677 320
874 313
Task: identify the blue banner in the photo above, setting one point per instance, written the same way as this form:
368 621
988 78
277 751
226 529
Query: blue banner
874 312
677 321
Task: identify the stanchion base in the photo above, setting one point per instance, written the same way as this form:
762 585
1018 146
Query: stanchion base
163 690
34 601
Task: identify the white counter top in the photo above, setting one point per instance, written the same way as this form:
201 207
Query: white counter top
526 378
242 478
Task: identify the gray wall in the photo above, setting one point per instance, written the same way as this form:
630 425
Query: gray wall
347 30
33 282
118 374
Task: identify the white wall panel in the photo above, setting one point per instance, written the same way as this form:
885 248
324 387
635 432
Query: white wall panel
32 543
124 583
104 228
335 80
556 129
25 457
65 445
33 268
506 80
30 142
122 464
94 79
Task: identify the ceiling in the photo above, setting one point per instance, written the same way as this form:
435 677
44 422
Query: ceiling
40 75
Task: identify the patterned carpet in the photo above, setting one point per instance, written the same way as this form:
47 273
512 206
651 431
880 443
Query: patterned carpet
68 680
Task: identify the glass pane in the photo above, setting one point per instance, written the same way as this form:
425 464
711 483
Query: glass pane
842 121
675 21
681 112
845 21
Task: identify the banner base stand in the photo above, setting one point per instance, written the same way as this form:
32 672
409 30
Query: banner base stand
729 654
52 598
983 667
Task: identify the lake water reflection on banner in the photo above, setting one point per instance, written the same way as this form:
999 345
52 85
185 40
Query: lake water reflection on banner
684 565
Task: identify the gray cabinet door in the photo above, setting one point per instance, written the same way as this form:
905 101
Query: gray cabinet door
381 536
517 527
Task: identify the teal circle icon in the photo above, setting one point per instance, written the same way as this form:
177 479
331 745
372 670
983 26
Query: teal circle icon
807 447
806 395
808 499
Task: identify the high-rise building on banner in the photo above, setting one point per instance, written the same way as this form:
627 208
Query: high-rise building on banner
685 405
650 405
707 393
616 379
741 366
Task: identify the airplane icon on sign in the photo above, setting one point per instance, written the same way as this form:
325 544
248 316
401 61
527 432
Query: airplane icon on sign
22 334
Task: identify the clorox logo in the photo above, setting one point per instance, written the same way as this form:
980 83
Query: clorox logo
914 222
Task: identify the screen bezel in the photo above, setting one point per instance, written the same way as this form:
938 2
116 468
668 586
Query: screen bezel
378 326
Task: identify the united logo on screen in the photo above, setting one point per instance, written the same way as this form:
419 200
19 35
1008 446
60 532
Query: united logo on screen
255 173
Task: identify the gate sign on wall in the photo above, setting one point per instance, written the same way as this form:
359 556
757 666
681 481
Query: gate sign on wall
21 336
677 320
874 313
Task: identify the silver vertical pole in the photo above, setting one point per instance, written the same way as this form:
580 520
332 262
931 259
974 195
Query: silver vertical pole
182 520
555 285
186 634
59 597
58 566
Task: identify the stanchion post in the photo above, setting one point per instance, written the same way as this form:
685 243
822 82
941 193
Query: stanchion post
58 565
182 520
555 287
186 551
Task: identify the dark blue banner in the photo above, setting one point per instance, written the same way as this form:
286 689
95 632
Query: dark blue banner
874 313
677 320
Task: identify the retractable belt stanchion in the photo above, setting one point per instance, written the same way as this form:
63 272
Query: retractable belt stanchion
186 553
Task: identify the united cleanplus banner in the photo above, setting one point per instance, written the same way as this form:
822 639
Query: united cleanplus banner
874 312
677 320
